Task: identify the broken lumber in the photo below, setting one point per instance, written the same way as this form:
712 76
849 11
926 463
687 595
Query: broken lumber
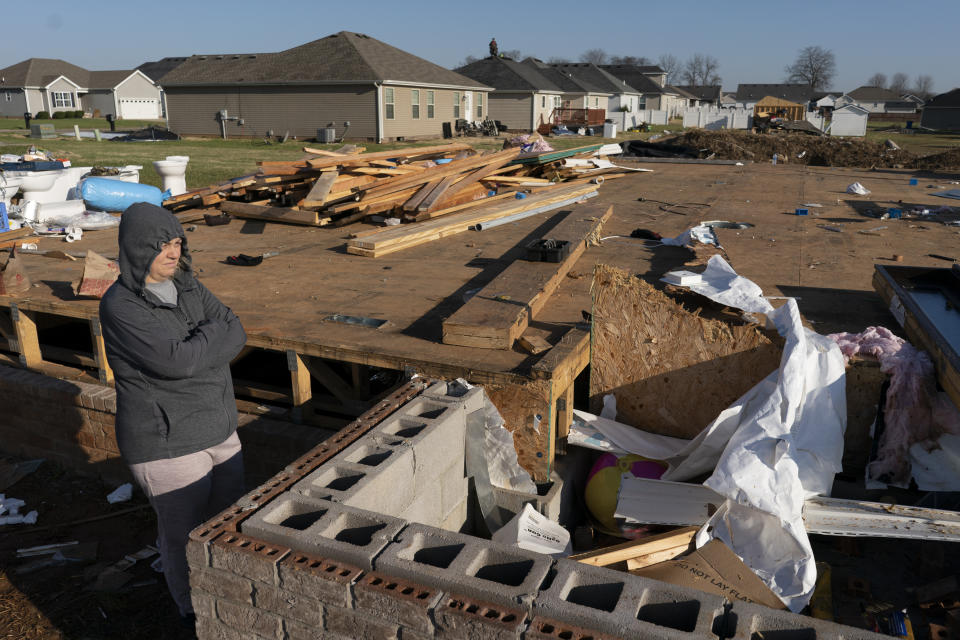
405 236
273 214
499 314
678 539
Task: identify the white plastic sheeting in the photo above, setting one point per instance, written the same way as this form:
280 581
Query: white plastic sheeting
777 445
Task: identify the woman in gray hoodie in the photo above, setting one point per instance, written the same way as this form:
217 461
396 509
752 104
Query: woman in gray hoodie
170 343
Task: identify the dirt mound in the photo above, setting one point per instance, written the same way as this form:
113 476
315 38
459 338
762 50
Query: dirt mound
794 148
938 161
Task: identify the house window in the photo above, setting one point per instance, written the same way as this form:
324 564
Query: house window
556 102
388 102
8 96
642 103
596 102
456 105
543 101
62 99
415 103
479 105
430 105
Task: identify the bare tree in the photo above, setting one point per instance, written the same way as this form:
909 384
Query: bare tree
558 60
468 60
701 71
671 64
877 80
814 66
899 82
923 86
634 60
596 56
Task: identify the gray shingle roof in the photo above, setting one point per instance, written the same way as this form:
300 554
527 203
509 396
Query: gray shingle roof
594 75
159 68
874 94
341 57
710 92
799 93
638 77
505 74
949 100
39 72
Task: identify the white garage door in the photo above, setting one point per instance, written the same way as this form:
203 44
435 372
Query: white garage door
139 108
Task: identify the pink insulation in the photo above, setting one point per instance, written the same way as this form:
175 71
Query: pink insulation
915 411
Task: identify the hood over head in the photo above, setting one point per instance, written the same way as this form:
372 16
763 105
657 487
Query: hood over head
144 228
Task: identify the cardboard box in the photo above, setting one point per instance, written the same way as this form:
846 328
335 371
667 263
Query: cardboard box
714 568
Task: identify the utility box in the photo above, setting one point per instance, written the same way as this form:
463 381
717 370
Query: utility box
327 135
44 131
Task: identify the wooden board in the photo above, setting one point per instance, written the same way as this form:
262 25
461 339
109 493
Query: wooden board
672 371
405 236
272 214
669 541
499 314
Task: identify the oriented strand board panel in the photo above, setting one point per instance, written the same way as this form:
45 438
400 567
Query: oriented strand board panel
519 404
672 371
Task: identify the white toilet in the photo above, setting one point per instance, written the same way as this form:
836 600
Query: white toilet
37 186
173 173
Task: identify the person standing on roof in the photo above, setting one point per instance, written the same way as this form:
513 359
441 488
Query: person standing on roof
494 50
170 343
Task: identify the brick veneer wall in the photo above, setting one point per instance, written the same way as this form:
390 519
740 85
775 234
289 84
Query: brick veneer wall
72 423
289 562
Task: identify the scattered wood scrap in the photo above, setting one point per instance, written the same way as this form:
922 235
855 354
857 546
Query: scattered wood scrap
641 552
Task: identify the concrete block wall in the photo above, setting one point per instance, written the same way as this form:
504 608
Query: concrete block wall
71 422
307 564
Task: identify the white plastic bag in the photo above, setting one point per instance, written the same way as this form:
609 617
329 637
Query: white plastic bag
858 189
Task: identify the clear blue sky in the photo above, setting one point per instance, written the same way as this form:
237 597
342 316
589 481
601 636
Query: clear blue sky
753 41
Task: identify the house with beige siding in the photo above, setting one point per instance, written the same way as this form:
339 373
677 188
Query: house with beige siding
44 84
361 87
522 98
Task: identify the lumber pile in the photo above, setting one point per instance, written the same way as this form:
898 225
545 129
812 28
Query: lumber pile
414 184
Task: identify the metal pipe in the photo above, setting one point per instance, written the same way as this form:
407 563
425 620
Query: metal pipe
483 226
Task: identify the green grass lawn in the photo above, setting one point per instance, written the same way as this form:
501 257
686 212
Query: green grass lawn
921 143
85 123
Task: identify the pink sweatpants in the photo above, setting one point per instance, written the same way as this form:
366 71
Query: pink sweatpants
184 492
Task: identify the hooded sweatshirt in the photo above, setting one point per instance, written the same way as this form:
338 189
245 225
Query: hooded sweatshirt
170 361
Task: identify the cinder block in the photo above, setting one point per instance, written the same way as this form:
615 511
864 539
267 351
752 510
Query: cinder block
247 557
425 508
248 619
324 528
457 519
453 486
463 564
546 501
289 605
410 634
359 624
747 621
472 399
326 580
400 601
223 585
458 617
434 429
546 629
619 603
367 475
294 630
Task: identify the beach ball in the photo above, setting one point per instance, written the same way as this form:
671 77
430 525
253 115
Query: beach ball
603 483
